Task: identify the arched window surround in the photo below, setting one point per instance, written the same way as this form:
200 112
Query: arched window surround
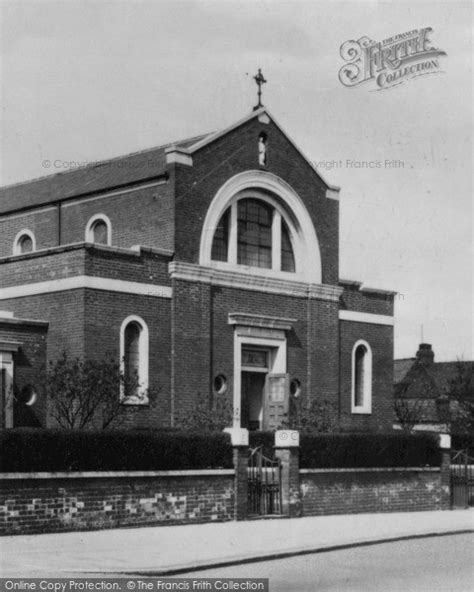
89 234
267 187
366 407
143 347
17 241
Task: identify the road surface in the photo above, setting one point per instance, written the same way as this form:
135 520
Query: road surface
435 564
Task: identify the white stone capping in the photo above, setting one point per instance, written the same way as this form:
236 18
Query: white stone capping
287 439
238 436
85 281
366 317
176 155
18 321
333 193
72 201
378 291
111 474
10 346
6 314
362 288
251 280
251 320
371 470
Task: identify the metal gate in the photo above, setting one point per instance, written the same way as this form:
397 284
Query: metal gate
264 484
462 479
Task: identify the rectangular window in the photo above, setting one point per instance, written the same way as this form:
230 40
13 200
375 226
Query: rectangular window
254 234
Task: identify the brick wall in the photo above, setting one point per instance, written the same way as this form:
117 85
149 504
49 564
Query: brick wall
28 361
237 152
41 222
365 301
142 216
86 503
65 262
353 491
204 341
380 339
103 338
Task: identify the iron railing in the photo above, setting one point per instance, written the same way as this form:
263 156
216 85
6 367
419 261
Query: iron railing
462 479
264 484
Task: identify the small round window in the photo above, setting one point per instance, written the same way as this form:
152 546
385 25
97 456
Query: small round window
220 384
28 395
295 388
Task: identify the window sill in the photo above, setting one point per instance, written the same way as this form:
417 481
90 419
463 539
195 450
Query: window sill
361 411
140 401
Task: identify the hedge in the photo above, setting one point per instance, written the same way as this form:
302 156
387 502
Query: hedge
368 450
344 450
26 450
463 441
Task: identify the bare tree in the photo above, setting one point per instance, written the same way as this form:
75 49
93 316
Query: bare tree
409 412
87 393
207 415
460 390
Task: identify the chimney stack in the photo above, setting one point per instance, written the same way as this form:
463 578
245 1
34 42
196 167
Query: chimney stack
425 354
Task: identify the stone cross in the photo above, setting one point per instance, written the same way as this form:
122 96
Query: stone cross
260 80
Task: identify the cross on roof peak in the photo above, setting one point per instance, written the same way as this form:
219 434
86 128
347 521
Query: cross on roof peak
260 80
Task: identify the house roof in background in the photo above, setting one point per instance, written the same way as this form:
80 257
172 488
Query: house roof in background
401 367
440 372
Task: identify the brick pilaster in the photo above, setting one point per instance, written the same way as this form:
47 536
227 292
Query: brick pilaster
290 480
241 457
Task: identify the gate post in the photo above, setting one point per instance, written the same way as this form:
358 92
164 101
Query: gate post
444 443
240 444
287 444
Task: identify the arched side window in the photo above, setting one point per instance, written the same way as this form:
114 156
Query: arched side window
99 230
134 360
361 378
24 242
258 225
254 232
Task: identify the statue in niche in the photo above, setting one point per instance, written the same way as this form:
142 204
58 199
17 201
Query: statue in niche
262 150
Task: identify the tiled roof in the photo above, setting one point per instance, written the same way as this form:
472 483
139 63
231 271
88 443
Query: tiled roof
443 372
440 372
115 172
400 368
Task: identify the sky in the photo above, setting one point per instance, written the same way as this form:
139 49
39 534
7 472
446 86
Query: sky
83 81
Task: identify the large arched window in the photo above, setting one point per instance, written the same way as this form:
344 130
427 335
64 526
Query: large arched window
134 360
99 230
254 232
258 225
361 378
24 242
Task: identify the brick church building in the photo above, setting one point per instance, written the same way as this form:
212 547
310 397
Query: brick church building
210 268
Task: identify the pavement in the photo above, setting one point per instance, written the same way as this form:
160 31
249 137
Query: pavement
170 550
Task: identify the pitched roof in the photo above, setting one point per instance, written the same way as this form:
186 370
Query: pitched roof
443 372
400 368
439 372
106 174
117 172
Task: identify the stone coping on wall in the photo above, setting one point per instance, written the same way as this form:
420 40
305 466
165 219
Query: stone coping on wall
371 470
114 474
